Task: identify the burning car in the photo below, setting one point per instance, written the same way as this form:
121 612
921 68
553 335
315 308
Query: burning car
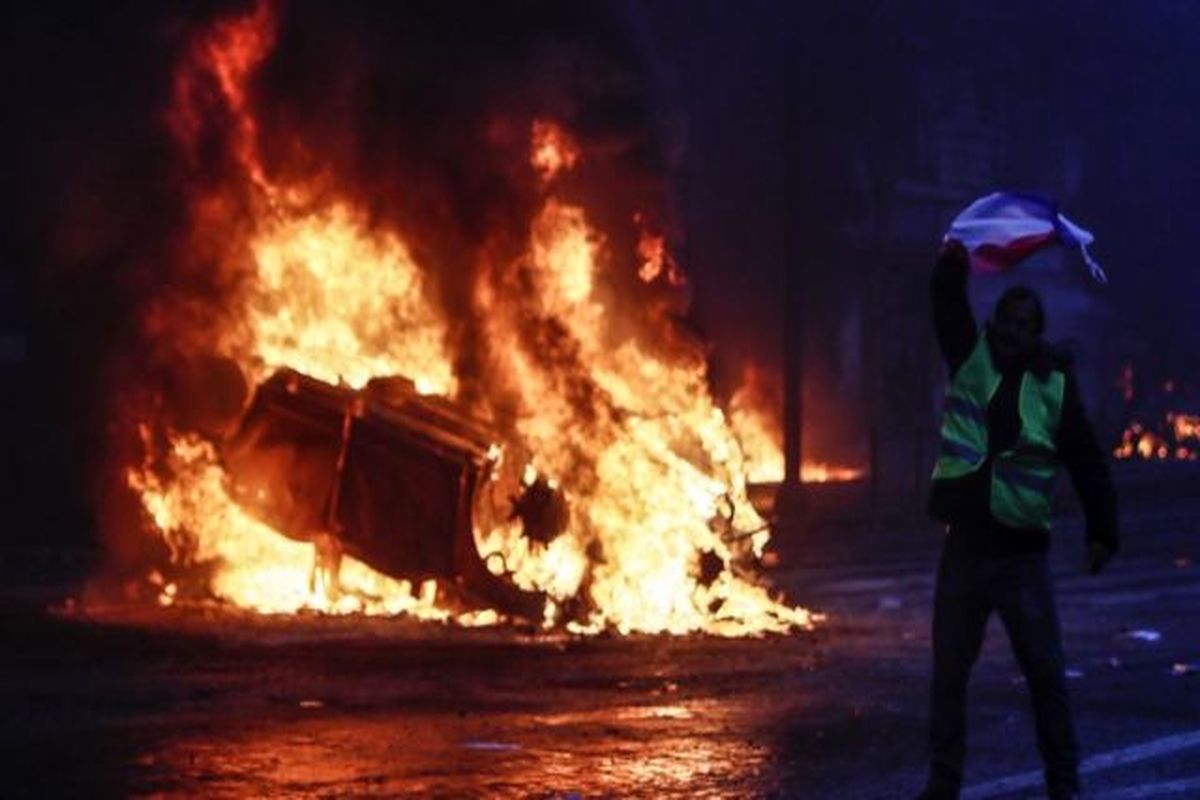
383 474
440 421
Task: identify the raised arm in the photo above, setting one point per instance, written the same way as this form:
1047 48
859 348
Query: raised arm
1088 466
953 321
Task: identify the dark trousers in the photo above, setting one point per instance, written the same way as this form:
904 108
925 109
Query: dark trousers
969 587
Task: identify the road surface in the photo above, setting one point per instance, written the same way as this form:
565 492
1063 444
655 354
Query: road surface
121 701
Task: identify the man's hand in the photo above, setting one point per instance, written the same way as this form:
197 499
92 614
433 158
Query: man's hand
1097 558
953 250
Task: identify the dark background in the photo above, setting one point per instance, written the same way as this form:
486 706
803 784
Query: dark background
832 141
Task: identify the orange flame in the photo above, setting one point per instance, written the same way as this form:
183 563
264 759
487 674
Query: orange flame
342 304
257 568
656 258
644 455
624 424
554 151
754 415
226 54
1185 426
1178 438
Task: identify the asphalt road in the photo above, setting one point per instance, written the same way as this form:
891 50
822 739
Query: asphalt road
121 701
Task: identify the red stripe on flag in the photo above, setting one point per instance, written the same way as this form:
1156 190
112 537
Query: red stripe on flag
990 257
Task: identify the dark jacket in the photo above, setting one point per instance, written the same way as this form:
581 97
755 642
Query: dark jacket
964 503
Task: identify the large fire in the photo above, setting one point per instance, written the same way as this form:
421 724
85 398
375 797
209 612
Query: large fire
617 417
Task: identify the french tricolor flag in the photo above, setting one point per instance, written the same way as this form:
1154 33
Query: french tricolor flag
1003 228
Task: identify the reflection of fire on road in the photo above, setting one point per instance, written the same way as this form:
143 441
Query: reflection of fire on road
566 464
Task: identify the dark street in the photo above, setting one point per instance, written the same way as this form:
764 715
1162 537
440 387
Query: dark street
188 702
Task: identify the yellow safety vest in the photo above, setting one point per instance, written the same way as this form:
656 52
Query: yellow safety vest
1022 476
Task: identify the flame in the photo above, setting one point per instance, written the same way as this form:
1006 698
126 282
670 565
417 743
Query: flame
753 413
1176 436
1178 440
643 454
319 291
656 258
256 567
554 150
339 303
610 408
226 54
1185 426
325 295
760 438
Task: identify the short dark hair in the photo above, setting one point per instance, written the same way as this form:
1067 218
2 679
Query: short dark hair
1016 295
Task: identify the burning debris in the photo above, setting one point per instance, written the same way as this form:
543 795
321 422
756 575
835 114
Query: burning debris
1176 438
542 445
1172 432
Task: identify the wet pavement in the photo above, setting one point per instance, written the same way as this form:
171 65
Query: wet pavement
120 701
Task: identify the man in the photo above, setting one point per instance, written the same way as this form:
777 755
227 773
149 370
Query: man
1012 414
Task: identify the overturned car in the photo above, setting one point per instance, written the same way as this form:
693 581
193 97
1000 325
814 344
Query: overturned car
386 475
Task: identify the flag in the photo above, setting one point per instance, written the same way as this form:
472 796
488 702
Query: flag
1002 228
